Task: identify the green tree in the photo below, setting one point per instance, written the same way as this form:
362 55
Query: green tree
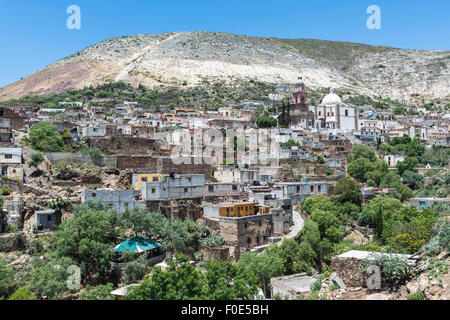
264 266
181 281
49 277
44 136
87 237
321 202
408 164
413 179
291 253
359 168
362 151
228 281
266 121
347 190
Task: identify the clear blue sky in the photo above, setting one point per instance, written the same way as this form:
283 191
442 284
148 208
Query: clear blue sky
34 34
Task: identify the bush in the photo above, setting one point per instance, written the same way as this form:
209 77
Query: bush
6 280
5 190
418 295
135 270
101 292
444 236
316 286
394 269
36 159
23 293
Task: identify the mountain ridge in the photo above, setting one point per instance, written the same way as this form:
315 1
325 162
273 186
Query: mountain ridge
189 58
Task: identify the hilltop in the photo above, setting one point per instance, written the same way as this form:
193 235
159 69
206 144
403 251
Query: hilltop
189 59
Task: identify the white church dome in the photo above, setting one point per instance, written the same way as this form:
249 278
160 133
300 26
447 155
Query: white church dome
331 98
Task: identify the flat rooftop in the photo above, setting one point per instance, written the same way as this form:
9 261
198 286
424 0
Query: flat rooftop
297 282
363 255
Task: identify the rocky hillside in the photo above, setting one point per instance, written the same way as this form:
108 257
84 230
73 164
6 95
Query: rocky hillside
189 58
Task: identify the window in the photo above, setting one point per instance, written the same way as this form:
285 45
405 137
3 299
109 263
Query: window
49 217
185 190
346 113
298 189
319 189
94 194
234 187
311 189
8 156
211 188
144 179
153 190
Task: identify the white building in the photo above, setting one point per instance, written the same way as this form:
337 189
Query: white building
332 113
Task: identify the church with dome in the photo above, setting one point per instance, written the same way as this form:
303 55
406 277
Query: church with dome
330 114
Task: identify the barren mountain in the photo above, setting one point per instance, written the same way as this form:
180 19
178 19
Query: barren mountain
175 59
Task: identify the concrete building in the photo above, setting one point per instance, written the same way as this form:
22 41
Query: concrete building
11 163
47 219
393 159
119 200
291 287
139 178
93 131
5 131
174 186
422 203
234 209
299 190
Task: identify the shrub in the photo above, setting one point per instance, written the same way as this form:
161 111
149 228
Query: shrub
394 269
5 190
444 236
316 286
135 270
101 292
418 295
23 293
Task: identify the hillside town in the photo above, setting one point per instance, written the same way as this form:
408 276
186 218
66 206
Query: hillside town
297 197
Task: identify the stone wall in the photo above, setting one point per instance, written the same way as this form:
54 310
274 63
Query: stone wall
136 161
102 161
125 145
217 254
350 270
17 122
12 242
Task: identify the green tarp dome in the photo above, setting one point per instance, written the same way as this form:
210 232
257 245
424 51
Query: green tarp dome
138 245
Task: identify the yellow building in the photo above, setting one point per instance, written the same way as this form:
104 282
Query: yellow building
169 117
147 177
243 209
